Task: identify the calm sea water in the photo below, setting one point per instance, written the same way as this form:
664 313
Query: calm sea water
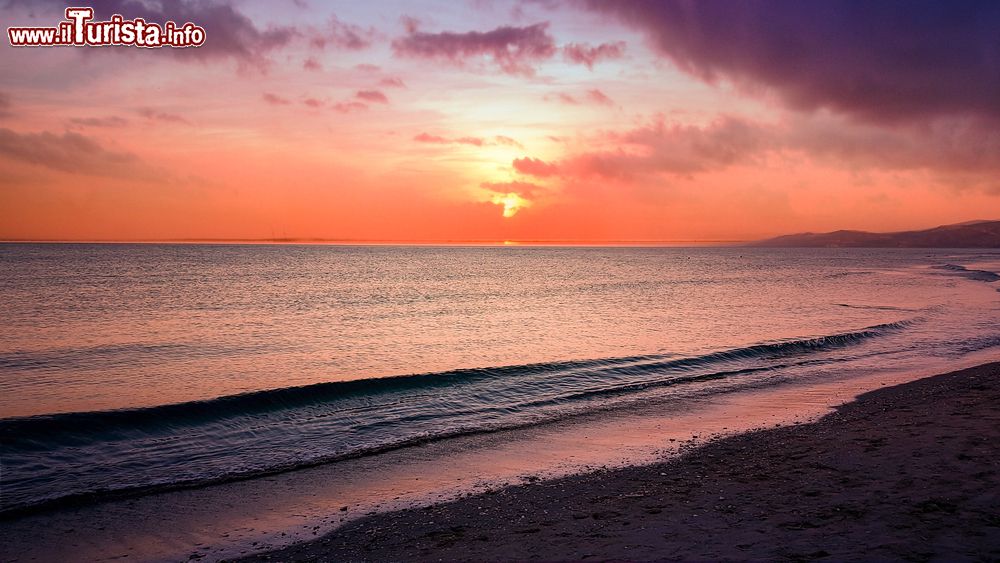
129 368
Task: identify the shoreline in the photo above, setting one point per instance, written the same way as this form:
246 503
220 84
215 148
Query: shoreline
902 472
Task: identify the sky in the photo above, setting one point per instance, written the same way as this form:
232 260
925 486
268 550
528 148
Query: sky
490 121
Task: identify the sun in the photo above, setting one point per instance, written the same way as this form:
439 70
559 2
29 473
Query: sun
511 202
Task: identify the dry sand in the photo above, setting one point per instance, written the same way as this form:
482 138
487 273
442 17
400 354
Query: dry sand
903 473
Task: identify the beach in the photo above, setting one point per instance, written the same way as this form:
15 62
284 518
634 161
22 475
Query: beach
908 472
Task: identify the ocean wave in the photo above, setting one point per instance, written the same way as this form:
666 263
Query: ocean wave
86 456
195 412
962 271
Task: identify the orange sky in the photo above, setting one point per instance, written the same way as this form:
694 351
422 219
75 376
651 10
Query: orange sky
451 121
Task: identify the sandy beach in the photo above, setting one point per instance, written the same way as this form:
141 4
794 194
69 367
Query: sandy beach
903 473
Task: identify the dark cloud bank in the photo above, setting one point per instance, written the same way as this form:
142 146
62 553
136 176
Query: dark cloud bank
879 61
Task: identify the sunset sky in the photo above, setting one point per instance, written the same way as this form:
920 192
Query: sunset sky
493 120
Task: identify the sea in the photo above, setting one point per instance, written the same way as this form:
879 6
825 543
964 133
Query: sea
130 369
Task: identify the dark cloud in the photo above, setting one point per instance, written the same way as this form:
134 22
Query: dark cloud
535 167
69 152
662 147
374 96
947 147
110 121
588 56
513 49
274 99
5 105
961 152
886 61
154 115
344 36
230 33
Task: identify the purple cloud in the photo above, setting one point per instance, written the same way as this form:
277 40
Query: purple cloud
69 152
110 121
274 99
154 115
341 35
374 96
588 56
513 49
881 62
5 105
231 34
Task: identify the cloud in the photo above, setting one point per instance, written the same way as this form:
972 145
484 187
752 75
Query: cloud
110 121
504 140
878 62
231 34
593 96
341 35
598 97
535 167
474 141
313 103
392 82
427 138
477 141
372 96
563 98
366 67
662 147
584 54
958 147
349 107
410 23
958 152
5 105
69 152
274 99
154 115
512 49
311 64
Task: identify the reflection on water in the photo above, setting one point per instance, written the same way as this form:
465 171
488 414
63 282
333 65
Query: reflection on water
344 351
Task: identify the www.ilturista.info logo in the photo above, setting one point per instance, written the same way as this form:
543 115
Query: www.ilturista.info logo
79 30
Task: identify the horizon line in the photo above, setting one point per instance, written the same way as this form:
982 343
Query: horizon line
386 242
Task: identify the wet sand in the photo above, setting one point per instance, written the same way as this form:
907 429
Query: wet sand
906 472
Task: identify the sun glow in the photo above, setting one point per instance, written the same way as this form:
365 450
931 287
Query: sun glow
511 202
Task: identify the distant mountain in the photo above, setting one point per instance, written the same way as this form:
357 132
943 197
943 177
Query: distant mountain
971 234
